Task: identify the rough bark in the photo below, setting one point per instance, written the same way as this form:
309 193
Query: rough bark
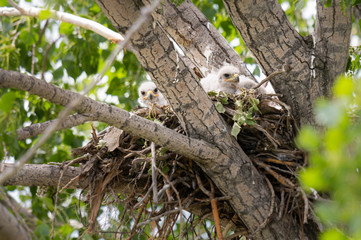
232 172
197 37
267 32
331 42
44 176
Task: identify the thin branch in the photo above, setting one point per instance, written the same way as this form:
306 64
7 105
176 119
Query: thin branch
65 17
12 3
38 128
285 68
46 53
154 173
44 175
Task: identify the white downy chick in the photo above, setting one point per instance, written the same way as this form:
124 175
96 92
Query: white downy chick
150 95
210 83
230 80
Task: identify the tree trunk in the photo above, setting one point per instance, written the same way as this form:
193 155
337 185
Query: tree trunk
232 171
315 61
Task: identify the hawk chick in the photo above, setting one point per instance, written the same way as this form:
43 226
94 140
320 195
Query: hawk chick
150 95
228 79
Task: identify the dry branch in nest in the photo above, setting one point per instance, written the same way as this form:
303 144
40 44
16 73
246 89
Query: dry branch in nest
158 184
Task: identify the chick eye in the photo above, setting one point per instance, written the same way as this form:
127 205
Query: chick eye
156 90
142 92
226 75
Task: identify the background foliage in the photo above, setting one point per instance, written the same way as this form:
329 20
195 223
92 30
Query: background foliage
69 56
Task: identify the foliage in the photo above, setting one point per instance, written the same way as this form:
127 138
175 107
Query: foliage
69 56
335 160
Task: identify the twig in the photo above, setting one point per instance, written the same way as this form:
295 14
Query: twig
179 203
56 203
65 17
33 59
217 220
284 181
42 32
229 225
285 68
158 217
12 3
215 213
136 221
154 173
38 128
46 53
282 205
305 200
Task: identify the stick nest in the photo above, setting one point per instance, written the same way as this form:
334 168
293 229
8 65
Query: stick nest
119 170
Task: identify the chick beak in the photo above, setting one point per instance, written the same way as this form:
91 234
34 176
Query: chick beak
233 78
150 95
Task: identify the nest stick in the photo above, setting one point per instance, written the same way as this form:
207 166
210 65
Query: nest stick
154 173
305 200
285 68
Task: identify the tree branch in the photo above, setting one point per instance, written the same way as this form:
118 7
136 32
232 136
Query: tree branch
38 128
44 175
65 17
48 176
131 123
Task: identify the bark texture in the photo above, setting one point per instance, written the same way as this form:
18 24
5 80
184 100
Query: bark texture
232 171
272 39
197 37
44 175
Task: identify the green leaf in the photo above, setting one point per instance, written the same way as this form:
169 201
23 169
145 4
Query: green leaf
333 234
49 203
42 230
313 178
308 138
212 93
299 5
7 101
257 71
250 122
344 86
45 14
236 129
66 229
220 107
224 100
